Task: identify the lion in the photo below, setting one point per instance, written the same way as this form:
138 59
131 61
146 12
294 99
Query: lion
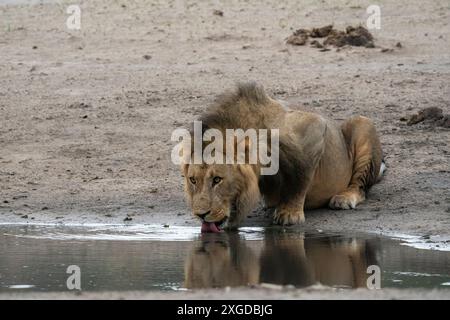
221 260
321 163
227 260
331 261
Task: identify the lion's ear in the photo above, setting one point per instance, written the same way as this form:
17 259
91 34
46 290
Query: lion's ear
184 169
249 195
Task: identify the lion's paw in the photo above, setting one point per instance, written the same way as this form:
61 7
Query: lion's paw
286 217
343 201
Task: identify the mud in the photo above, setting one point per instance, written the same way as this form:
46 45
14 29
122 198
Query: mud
321 32
431 116
352 36
299 37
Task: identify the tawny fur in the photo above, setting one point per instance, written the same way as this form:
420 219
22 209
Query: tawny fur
283 259
321 163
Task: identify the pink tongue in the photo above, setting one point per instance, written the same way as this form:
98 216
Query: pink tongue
209 227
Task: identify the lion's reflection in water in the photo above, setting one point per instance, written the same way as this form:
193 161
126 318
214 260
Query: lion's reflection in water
222 260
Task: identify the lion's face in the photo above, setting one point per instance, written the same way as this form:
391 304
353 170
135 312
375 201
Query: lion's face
219 261
220 193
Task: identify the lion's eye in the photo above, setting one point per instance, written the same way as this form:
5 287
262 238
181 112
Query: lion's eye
216 180
192 179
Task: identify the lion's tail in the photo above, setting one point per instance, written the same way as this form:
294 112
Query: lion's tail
382 170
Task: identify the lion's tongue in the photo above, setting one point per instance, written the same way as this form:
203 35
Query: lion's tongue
209 227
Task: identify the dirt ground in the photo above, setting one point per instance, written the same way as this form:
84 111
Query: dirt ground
86 115
257 293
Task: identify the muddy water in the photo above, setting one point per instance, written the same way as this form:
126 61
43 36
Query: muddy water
36 258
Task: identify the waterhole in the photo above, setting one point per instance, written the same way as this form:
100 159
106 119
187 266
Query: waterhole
149 257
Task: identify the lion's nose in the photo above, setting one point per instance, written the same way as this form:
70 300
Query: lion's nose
203 215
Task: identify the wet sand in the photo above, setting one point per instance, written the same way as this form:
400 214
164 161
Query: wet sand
257 293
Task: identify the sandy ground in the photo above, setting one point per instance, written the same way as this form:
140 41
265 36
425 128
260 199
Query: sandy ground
257 293
86 116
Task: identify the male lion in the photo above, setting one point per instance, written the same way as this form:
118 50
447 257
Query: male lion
320 163
227 260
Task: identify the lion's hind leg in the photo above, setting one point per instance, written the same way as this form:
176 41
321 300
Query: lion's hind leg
365 150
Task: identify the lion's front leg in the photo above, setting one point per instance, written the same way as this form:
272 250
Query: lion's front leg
306 144
291 212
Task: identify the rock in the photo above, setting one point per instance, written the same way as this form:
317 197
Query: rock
431 113
298 38
316 44
79 105
353 36
321 32
444 122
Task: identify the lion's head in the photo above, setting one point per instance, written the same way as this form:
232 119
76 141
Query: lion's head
220 194
221 260
228 192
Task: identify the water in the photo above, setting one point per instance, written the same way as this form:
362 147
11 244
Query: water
36 257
